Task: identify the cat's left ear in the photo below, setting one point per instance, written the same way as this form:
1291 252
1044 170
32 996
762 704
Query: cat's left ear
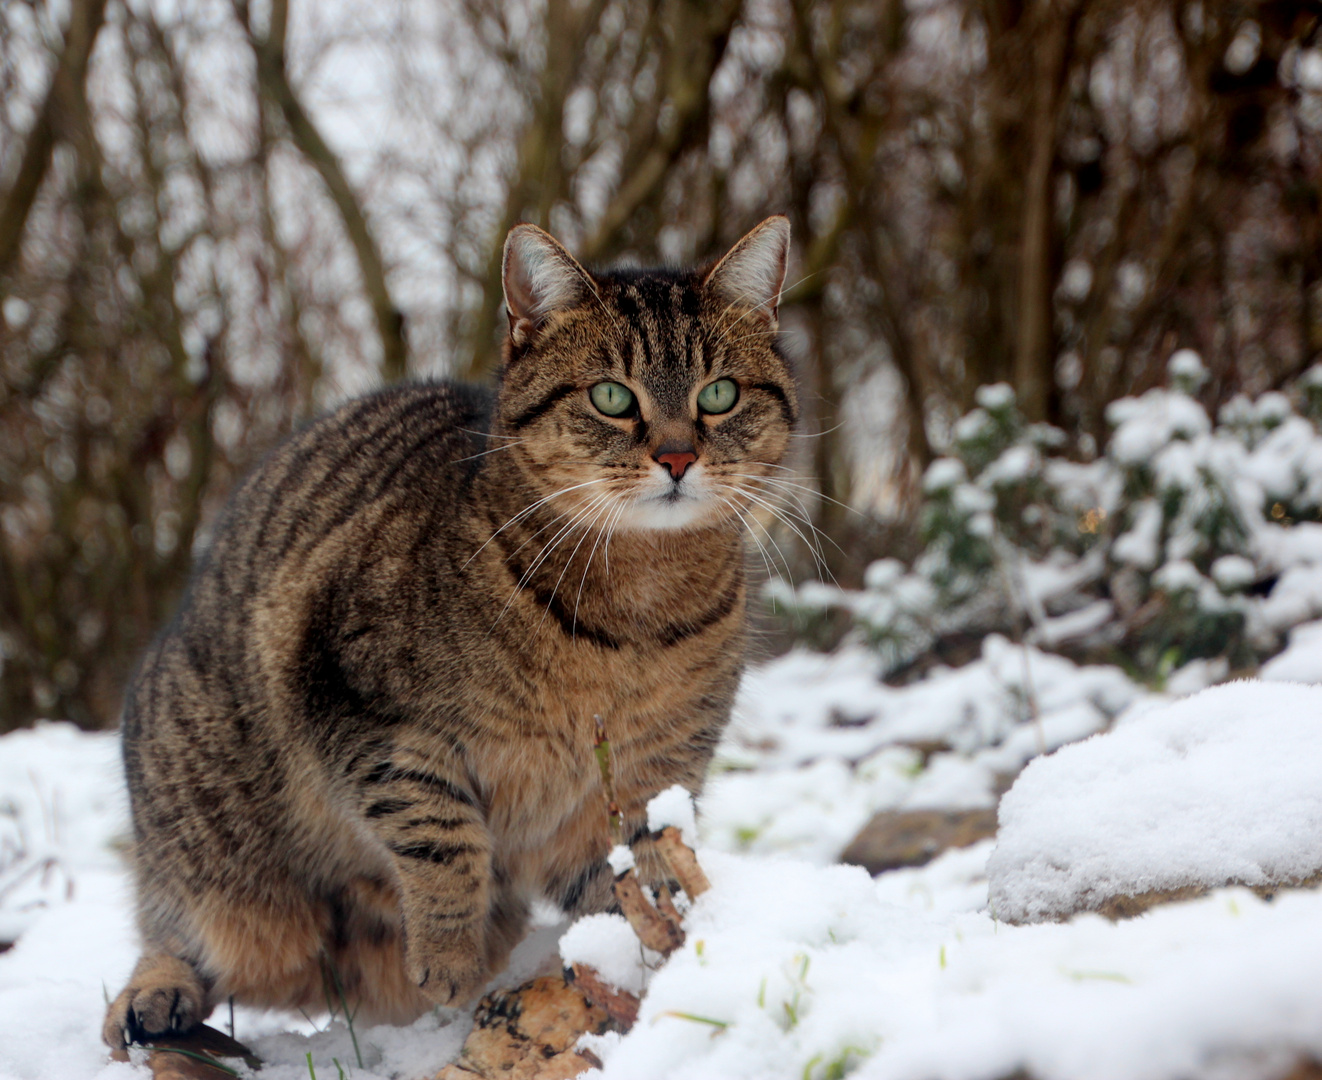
540 278
753 271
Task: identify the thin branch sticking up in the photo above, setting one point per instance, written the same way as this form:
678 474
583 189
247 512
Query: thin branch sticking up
273 82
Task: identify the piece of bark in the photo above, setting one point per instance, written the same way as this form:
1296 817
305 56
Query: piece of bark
528 1034
1116 908
666 905
894 839
563 1066
653 929
620 1005
682 862
515 1059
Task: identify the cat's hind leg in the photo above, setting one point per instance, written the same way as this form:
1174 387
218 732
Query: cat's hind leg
164 995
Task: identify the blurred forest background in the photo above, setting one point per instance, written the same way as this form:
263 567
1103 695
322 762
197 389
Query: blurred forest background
218 217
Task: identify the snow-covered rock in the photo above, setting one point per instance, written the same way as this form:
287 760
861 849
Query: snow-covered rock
1224 786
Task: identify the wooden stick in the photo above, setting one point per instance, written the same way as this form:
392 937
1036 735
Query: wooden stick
682 862
653 929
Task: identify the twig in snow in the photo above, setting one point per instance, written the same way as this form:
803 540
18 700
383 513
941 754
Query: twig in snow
654 930
682 862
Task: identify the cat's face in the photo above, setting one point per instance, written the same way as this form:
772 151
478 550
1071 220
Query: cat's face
647 399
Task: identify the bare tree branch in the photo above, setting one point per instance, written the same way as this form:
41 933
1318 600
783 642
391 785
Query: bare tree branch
273 79
52 124
697 34
538 178
1032 352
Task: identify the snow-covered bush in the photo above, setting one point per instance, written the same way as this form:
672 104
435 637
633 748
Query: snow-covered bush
1185 538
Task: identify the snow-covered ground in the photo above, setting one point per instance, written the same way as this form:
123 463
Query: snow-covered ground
797 967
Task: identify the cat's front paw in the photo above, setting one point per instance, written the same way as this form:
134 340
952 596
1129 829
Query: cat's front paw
164 995
449 969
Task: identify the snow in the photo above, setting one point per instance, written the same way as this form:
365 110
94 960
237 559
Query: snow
819 744
55 820
674 806
1186 365
1297 598
1058 576
607 943
1233 572
994 396
795 967
1140 545
1012 467
1302 659
792 970
1148 424
1177 575
1197 675
1086 620
620 859
944 474
64 794
1223 786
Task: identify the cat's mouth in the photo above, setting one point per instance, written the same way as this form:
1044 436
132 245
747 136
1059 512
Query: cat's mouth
662 503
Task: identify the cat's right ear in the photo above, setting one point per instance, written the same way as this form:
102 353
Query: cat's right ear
752 273
540 278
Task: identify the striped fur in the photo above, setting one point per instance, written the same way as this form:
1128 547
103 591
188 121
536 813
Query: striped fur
365 744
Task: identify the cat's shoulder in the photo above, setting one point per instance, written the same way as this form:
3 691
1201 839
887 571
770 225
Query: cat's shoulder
433 404
435 418
417 441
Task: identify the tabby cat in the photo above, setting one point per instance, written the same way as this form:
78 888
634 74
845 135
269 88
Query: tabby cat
365 744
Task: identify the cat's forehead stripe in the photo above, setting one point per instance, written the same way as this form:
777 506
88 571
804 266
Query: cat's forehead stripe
661 316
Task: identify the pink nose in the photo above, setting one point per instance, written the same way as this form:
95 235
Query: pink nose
677 462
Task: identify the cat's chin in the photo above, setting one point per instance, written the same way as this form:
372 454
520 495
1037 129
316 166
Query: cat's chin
667 514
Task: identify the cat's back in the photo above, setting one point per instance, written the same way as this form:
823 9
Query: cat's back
408 451
375 475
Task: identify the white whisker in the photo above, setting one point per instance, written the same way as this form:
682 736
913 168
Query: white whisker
787 519
614 512
529 509
484 453
600 503
761 547
544 554
807 489
811 435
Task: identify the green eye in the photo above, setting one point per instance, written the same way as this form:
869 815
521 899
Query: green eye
611 398
718 397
